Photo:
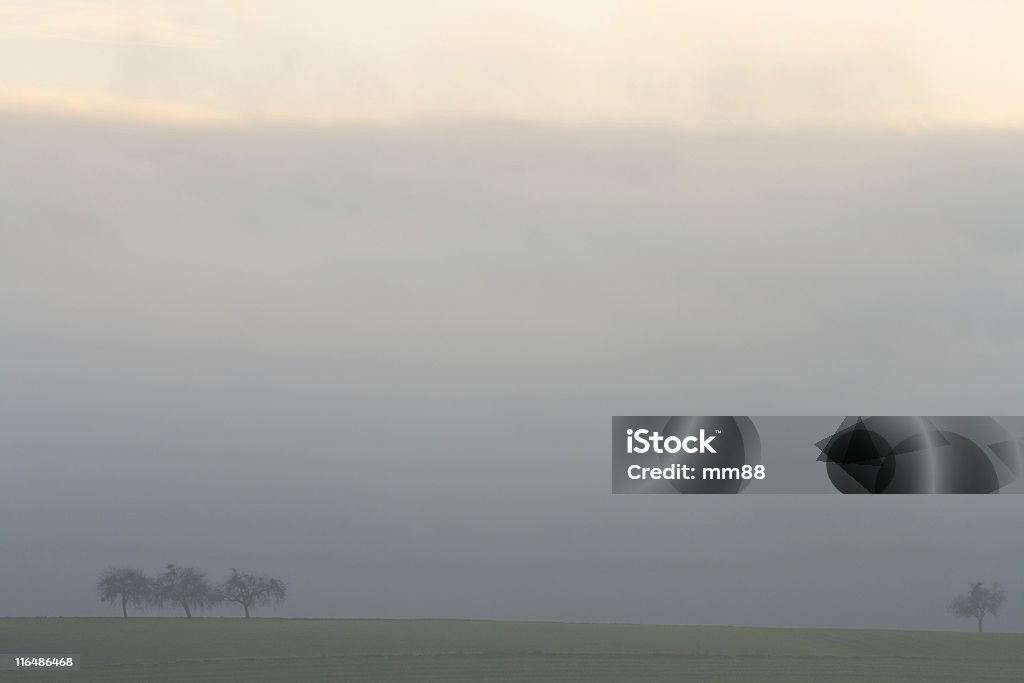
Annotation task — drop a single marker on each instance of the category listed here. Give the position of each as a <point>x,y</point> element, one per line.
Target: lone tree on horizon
<point>129,586</point>
<point>248,590</point>
<point>978,602</point>
<point>183,586</point>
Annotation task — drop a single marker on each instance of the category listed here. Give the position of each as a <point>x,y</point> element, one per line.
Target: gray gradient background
<point>380,362</point>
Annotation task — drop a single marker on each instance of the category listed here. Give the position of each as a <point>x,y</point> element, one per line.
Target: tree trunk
<point>124,606</point>
<point>246,606</point>
<point>188,612</point>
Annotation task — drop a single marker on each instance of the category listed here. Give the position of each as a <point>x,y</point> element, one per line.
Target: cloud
<point>65,102</point>
<point>702,65</point>
<point>876,85</point>
<point>110,23</point>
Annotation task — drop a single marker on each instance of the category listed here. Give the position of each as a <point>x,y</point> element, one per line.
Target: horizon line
<point>84,105</point>
<point>426,120</point>
<point>523,621</point>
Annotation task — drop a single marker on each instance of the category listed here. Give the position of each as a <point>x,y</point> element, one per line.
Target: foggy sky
<point>380,362</point>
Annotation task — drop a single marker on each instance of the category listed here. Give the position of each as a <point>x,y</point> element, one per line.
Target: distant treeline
<point>188,588</point>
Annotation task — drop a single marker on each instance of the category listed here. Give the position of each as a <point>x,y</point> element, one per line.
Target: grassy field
<point>147,649</point>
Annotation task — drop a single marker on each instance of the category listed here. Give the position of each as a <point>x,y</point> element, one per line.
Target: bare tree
<point>184,586</point>
<point>248,590</point>
<point>129,586</point>
<point>978,602</point>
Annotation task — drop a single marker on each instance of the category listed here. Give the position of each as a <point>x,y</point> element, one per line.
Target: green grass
<point>145,649</point>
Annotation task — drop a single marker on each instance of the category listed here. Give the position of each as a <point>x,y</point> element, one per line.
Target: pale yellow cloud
<point>98,105</point>
<point>721,63</point>
<point>136,22</point>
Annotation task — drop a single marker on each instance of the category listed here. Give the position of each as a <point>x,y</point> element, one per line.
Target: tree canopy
<point>127,586</point>
<point>184,586</point>
<point>978,602</point>
<point>248,589</point>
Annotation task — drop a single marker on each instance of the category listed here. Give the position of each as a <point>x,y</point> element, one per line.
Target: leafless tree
<point>184,586</point>
<point>248,590</point>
